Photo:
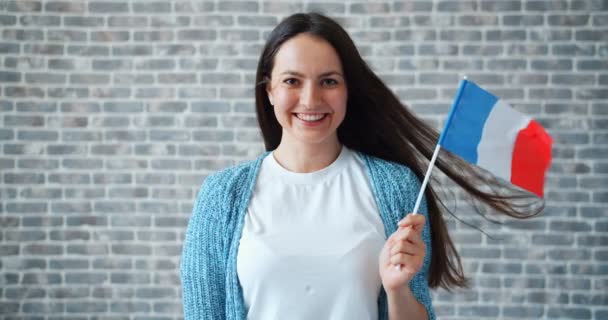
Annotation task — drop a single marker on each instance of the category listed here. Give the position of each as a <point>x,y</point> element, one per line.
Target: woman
<point>315,227</point>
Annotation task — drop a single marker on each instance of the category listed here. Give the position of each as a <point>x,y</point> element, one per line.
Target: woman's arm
<point>403,305</point>
<point>406,287</point>
<point>202,269</point>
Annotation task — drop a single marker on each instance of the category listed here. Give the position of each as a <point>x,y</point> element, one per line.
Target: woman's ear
<point>269,91</point>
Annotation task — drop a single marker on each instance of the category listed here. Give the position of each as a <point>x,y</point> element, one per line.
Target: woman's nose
<point>310,96</point>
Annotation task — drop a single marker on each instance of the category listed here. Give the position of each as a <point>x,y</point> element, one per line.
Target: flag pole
<point>436,152</point>
<point>426,179</point>
<point>439,142</point>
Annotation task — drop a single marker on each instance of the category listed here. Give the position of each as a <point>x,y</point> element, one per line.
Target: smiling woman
<point>313,228</point>
<point>308,92</point>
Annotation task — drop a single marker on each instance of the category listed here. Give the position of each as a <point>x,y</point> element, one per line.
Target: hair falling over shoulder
<point>378,124</point>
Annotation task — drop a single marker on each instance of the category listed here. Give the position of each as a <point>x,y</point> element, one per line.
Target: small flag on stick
<point>485,131</point>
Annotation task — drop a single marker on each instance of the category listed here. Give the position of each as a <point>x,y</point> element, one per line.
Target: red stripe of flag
<point>531,158</point>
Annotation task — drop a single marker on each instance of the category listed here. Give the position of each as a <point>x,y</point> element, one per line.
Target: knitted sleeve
<point>201,268</point>
<point>419,283</point>
<point>397,187</point>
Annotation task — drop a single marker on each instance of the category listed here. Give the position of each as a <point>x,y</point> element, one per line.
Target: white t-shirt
<point>310,243</point>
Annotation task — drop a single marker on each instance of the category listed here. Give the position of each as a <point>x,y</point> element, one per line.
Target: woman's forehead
<point>305,54</point>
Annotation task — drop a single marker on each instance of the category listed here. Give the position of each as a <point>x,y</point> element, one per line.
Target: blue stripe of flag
<point>464,128</point>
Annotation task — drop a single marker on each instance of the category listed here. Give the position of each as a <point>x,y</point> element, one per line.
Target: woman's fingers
<point>406,234</point>
<point>412,262</point>
<point>415,220</point>
<point>406,247</point>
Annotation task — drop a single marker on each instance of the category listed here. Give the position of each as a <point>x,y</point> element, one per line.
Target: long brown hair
<point>378,124</point>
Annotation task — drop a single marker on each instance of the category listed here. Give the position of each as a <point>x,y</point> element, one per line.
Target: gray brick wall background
<point>113,112</point>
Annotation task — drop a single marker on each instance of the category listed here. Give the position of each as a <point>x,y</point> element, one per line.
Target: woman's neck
<point>305,157</point>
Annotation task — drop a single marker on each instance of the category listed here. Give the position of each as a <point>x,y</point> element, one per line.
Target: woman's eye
<point>291,81</point>
<point>330,82</point>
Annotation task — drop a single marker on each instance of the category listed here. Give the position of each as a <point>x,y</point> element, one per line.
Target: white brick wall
<point>113,112</point>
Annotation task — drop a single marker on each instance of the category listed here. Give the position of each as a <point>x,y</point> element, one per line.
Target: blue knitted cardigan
<point>210,285</point>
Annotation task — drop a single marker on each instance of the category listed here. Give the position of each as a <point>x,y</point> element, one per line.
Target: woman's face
<point>308,90</point>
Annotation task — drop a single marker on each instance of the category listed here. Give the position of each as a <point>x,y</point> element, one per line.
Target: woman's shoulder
<point>231,178</point>
<point>388,170</point>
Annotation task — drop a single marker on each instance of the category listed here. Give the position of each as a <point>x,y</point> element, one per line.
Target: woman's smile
<point>311,119</point>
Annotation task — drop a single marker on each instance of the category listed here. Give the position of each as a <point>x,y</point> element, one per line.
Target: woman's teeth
<point>310,117</point>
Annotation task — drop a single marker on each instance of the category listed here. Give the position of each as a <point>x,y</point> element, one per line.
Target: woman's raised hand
<point>406,248</point>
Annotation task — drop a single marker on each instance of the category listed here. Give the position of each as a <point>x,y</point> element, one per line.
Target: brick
<point>520,312</point>
<point>64,7</point>
<point>43,221</point>
<point>113,263</point>
<point>130,278</point>
<point>7,20</point>
<point>547,297</point>
<point>24,178</point>
<point>600,197</point>
<point>547,64</point>
<point>507,64</point>
<point>83,21</point>
<point>152,7</point>
<point>9,250</point>
<point>88,50</point>
<point>478,311</point>
<point>10,77</point>
<point>42,307</point>
<point>588,5</point>
<point>131,249</point>
<point>24,293</point>
<point>524,282</point>
<point>590,35</point>
<point>87,249</point>
<point>114,235</point>
<point>68,264</point>
<point>76,163</point>
<point>130,307</point>
<point>593,153</point>
<point>579,49</point>
<point>108,7</point>
<point>600,20</point>
<point>558,94</point>
<point>568,79</point>
<point>553,240</point>
<point>81,220</point>
<point>568,20</point>
<point>592,65</point>
<point>155,265</point>
<point>23,92</point>
<point>500,6</point>
<point>67,293</point>
<point>196,35</point>
<point>69,235</point>
<point>9,48</point>
<point>24,236</point>
<point>42,249</point>
<point>68,92</point>
<point>127,21</point>
<point>568,313</point>
<point>84,193</point>
<point>569,254</point>
<point>126,164</point>
<point>133,221</point>
<point>326,7</point>
<point>127,193</point>
<point>370,8</point>
<point>505,35</point>
<point>170,222</point>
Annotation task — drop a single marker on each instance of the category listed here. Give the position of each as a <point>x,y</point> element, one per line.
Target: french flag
<point>487,132</point>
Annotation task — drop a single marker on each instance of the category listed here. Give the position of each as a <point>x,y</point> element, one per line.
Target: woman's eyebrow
<point>324,74</point>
